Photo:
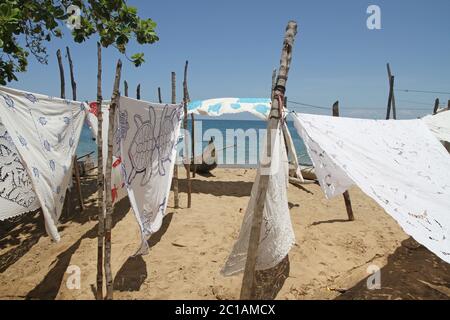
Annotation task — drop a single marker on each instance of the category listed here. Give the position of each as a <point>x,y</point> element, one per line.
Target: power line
<point>422,91</point>
<point>309,105</point>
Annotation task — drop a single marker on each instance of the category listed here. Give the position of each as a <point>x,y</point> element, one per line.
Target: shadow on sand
<point>133,272</point>
<point>24,231</point>
<point>49,287</point>
<point>412,273</point>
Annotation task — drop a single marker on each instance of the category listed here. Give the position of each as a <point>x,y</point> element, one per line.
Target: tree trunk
<point>248,282</point>
<point>61,75</point>
<point>138,92</point>
<point>175,168</point>
<point>186,145</point>
<point>76,170</point>
<point>100,179</point>
<point>109,207</point>
<point>72,76</point>
<point>125,88</point>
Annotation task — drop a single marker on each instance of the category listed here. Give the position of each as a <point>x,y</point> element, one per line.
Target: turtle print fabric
<point>146,138</point>
<point>399,164</point>
<point>45,132</point>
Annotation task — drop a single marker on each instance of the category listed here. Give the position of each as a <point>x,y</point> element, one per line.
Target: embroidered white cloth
<point>277,236</point>
<point>399,164</point>
<point>147,136</point>
<point>118,188</point>
<point>16,191</point>
<point>45,131</point>
<point>439,124</point>
<point>217,107</point>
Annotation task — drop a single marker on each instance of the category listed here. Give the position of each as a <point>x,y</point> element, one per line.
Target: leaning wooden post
<point>159,95</point>
<point>391,95</point>
<point>76,170</point>
<point>248,282</point>
<point>436,106</point>
<point>391,89</point>
<point>100,179</point>
<point>274,82</point>
<point>348,203</point>
<point>138,92</point>
<point>61,74</point>
<point>109,208</point>
<point>125,88</point>
<point>187,162</point>
<point>175,168</point>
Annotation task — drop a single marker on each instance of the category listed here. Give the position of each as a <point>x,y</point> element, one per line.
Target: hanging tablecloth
<point>399,164</point>
<point>45,131</point>
<point>147,139</point>
<point>277,236</point>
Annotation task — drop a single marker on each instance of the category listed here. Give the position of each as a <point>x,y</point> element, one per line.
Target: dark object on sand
<point>207,161</point>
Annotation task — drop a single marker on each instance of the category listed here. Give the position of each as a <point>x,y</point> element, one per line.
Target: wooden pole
<point>63,96</point>
<point>76,170</point>
<point>176,196</point>
<point>274,82</point>
<point>61,74</point>
<point>100,184</point>
<point>187,162</point>
<point>125,88</point>
<point>391,94</point>
<point>391,88</point>
<point>448,104</point>
<point>159,95</point>
<point>348,203</point>
<point>72,76</point>
<point>248,282</point>
<point>436,106</point>
<point>109,207</point>
<point>138,92</point>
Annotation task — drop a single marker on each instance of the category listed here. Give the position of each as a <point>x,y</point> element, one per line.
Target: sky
<point>233,46</point>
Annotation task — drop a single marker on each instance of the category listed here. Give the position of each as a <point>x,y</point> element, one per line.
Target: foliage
<point>26,26</point>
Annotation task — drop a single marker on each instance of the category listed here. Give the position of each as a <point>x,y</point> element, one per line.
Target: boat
<point>207,161</point>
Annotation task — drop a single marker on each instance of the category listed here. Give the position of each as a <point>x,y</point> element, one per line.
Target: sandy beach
<point>329,260</point>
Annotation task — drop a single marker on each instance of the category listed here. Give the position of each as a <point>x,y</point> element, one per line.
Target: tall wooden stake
<point>176,196</point>
<point>159,95</point>
<point>436,106</point>
<point>187,162</point>
<point>248,282</point>
<point>138,92</point>
<point>194,165</point>
<point>76,170</point>
<point>391,100</point>
<point>125,88</point>
<point>109,207</point>
<point>100,179</point>
<point>348,203</point>
<point>61,74</point>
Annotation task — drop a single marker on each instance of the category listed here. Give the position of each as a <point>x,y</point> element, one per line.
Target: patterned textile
<point>399,164</point>
<point>45,131</point>
<point>147,135</point>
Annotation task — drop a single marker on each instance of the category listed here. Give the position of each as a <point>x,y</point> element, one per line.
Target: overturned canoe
<point>207,161</point>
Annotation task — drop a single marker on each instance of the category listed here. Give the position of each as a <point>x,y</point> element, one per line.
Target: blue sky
<point>232,47</point>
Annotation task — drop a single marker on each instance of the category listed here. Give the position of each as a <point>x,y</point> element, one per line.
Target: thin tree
<point>187,162</point>
<point>100,179</point>
<point>248,283</point>
<point>109,208</point>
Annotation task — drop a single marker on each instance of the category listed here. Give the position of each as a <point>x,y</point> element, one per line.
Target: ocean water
<point>238,142</point>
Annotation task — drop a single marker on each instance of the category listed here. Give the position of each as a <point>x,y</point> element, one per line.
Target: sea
<point>238,142</point>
